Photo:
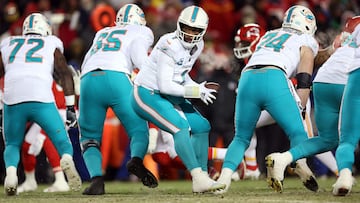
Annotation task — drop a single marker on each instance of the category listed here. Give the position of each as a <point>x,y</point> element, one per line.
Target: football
<point>212,85</point>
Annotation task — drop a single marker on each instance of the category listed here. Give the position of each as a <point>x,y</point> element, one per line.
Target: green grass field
<point>180,191</point>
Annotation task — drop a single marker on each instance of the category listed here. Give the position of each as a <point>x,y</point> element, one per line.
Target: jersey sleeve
<point>311,42</point>
<point>140,46</point>
<point>58,43</point>
<point>169,47</point>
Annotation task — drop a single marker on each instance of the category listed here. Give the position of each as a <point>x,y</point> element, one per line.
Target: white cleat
<point>10,185</point>
<point>275,164</point>
<point>28,185</point>
<point>252,174</point>
<point>344,183</point>
<point>306,175</point>
<point>225,179</point>
<point>202,183</point>
<point>68,166</point>
<point>58,187</point>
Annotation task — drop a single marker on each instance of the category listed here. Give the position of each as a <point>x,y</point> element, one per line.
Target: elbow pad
<point>303,81</point>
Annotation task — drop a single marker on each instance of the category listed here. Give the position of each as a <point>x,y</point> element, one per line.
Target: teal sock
<point>93,161</point>
<point>185,149</point>
<point>200,143</point>
<point>11,155</point>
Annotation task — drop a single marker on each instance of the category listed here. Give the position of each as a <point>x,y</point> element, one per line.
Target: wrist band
<point>70,100</point>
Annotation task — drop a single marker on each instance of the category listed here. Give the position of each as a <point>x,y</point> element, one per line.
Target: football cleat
<point>202,183</point>
<point>135,166</point>
<point>97,186</point>
<point>225,178</point>
<point>275,165</point>
<point>11,181</point>
<point>344,183</point>
<point>68,166</point>
<point>306,175</point>
<point>252,174</point>
<point>27,186</point>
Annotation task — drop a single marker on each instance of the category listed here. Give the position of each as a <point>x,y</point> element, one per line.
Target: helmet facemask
<point>243,50</point>
<point>190,35</point>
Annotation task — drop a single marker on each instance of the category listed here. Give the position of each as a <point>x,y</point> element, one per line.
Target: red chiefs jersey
<point>58,95</point>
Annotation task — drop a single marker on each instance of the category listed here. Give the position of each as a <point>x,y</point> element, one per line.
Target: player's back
<point>111,48</point>
<point>281,47</point>
<point>29,65</point>
<point>335,69</point>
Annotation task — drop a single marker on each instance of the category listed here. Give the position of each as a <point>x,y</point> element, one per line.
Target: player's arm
<point>67,83</point>
<point>138,52</point>
<point>304,73</point>
<point>63,72</point>
<point>324,54</point>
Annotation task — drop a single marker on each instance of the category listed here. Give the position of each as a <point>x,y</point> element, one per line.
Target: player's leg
<point>91,121</point>
<point>252,170</point>
<point>60,184</point>
<point>14,124</point>
<point>349,134</point>
<point>200,128</point>
<point>51,122</point>
<point>247,112</point>
<point>29,164</point>
<point>136,128</point>
<point>161,112</point>
<point>283,108</point>
<point>31,147</point>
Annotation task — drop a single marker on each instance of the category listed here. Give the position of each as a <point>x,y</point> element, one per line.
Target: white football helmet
<point>130,14</point>
<point>300,18</point>
<point>194,17</point>
<point>37,23</point>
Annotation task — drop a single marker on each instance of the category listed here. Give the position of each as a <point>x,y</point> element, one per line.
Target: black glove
<point>71,120</point>
<point>303,113</point>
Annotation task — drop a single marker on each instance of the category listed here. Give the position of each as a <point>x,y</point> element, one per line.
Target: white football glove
<point>206,94</point>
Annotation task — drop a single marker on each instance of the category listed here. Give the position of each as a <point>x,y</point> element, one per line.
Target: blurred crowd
<point>75,22</point>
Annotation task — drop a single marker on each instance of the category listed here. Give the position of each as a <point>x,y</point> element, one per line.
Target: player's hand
<point>71,120</point>
<point>207,94</point>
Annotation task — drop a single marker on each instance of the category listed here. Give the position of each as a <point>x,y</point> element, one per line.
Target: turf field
<point>180,191</point>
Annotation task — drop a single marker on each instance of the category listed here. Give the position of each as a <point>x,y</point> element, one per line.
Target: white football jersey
<point>182,62</point>
<point>114,48</point>
<point>335,69</point>
<point>29,66</point>
<point>281,47</point>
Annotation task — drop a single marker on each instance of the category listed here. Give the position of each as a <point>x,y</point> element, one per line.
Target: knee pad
<point>89,143</point>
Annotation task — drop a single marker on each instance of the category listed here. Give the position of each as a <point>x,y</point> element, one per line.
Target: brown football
<point>212,85</point>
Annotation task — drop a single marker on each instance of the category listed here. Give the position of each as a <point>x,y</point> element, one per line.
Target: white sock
<point>30,175</point>
<point>218,153</point>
